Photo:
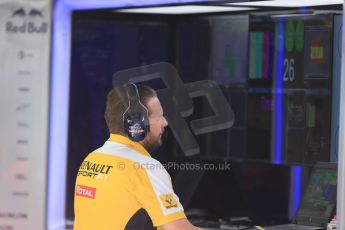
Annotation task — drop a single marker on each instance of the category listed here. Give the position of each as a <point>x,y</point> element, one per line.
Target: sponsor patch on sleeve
<point>168,200</point>
<point>85,191</point>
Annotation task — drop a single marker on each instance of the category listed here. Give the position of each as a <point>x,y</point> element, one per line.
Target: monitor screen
<point>228,55</point>
<point>319,199</point>
<point>289,89</point>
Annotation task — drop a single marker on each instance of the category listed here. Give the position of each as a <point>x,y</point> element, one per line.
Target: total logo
<point>30,24</point>
<point>85,191</point>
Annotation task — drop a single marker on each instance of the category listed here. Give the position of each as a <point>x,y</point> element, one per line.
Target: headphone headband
<point>132,92</point>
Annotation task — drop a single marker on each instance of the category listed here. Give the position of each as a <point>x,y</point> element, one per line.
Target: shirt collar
<point>132,144</point>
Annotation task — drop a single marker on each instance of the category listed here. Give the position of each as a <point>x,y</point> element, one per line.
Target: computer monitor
<point>319,200</point>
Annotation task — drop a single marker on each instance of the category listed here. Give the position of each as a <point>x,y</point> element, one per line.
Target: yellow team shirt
<point>118,184</point>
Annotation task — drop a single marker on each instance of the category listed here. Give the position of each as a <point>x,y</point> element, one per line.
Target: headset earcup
<point>136,126</point>
<point>135,118</point>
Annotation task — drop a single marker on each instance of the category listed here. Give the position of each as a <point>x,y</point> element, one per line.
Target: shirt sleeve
<point>153,190</point>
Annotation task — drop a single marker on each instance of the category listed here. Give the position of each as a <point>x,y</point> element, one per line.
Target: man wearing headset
<point>119,186</point>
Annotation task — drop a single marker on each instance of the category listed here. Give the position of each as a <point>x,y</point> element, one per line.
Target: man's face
<point>153,140</point>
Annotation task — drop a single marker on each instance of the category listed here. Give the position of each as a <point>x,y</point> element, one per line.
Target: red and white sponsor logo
<point>85,191</point>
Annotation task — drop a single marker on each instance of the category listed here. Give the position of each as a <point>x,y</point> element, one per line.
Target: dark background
<point>104,42</point>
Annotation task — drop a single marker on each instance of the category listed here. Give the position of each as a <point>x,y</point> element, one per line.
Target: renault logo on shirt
<point>94,170</point>
<point>168,200</point>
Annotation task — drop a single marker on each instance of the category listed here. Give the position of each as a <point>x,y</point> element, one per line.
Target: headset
<point>135,118</point>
